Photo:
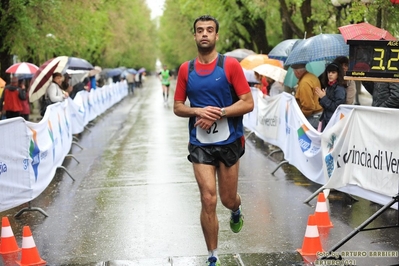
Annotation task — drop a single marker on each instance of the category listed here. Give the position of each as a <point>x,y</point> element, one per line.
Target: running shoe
<point>212,261</point>
<point>236,220</point>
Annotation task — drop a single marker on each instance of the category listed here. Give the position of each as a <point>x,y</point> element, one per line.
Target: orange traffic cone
<point>30,254</point>
<point>8,243</point>
<point>321,213</point>
<point>311,242</point>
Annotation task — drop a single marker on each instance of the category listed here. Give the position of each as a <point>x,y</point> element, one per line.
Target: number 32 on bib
<point>218,132</point>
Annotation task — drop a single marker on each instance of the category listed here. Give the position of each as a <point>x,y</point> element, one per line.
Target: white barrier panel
<point>360,151</point>
<point>280,122</point>
<point>31,152</point>
<point>15,177</point>
<point>31,161</point>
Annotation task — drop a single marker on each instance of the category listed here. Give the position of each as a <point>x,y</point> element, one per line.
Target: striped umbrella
<point>22,68</point>
<point>43,76</point>
<point>317,48</point>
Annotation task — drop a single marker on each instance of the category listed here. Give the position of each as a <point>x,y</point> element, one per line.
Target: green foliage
<point>113,33</point>
<point>108,33</point>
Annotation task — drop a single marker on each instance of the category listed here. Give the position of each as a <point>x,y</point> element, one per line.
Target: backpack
<point>44,102</point>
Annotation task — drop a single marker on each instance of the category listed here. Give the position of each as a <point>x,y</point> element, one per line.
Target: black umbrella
<point>76,63</point>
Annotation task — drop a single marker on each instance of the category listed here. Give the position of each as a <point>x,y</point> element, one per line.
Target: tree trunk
<point>256,29</point>
<point>5,54</point>
<point>5,62</point>
<point>306,12</point>
<point>286,17</point>
<point>288,33</point>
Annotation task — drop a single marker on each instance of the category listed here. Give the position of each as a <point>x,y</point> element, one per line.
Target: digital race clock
<point>373,60</point>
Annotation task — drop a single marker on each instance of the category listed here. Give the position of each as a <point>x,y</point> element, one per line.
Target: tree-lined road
<point>135,201</point>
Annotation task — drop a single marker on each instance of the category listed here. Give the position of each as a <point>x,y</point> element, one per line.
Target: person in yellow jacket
<point>2,85</point>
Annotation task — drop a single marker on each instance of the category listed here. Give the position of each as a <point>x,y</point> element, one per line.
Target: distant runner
<point>165,76</point>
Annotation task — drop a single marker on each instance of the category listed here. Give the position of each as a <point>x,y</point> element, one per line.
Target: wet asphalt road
<point>135,201</point>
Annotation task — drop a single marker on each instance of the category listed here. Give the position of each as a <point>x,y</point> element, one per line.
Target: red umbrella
<point>365,31</point>
<point>43,76</point>
<point>22,68</point>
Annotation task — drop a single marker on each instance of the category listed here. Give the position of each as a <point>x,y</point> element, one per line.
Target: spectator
<point>2,85</point>
<point>130,83</point>
<point>11,99</point>
<point>25,103</point>
<point>305,96</point>
<point>54,92</point>
<point>66,84</point>
<point>333,95</point>
<point>80,86</point>
<point>274,87</point>
<point>385,94</point>
<point>350,85</point>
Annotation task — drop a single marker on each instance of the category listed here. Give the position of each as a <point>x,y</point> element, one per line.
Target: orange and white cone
<point>29,255</point>
<point>8,243</point>
<point>311,242</point>
<point>321,213</point>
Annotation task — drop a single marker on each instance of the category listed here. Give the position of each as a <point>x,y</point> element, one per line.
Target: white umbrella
<point>271,71</point>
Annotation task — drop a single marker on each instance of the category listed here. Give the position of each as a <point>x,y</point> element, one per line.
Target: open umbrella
<point>43,76</point>
<point>240,53</point>
<point>76,63</point>
<point>253,60</point>
<point>132,71</point>
<point>275,72</point>
<point>22,68</point>
<point>250,76</point>
<point>2,83</point>
<point>315,67</point>
<point>112,72</point>
<point>365,31</point>
<point>318,48</point>
<point>283,49</point>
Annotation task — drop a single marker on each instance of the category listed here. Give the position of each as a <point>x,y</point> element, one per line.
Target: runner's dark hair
<point>207,18</point>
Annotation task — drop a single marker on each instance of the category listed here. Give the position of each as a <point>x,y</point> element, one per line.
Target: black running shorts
<point>228,154</point>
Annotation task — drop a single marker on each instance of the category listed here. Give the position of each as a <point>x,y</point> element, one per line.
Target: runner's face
<point>205,35</point>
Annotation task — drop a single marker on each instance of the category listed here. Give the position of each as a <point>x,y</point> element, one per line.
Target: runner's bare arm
<point>244,105</point>
<point>209,112</point>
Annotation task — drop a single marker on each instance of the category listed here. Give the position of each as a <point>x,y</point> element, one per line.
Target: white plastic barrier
<point>31,152</point>
<point>353,129</point>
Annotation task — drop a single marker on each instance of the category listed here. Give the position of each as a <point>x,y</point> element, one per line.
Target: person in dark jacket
<point>385,94</point>
<point>10,100</point>
<point>80,86</point>
<point>333,95</point>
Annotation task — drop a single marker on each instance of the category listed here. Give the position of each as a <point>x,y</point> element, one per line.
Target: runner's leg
<point>228,184</point>
<point>206,180</point>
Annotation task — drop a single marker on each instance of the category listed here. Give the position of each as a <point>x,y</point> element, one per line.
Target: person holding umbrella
<point>54,92</point>
<point>305,96</point>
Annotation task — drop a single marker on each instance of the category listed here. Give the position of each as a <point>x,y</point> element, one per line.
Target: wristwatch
<point>223,112</point>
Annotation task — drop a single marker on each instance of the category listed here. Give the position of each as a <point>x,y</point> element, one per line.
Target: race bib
<point>219,131</point>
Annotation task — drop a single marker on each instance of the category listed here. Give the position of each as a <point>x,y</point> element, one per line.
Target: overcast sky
<point>155,7</point>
